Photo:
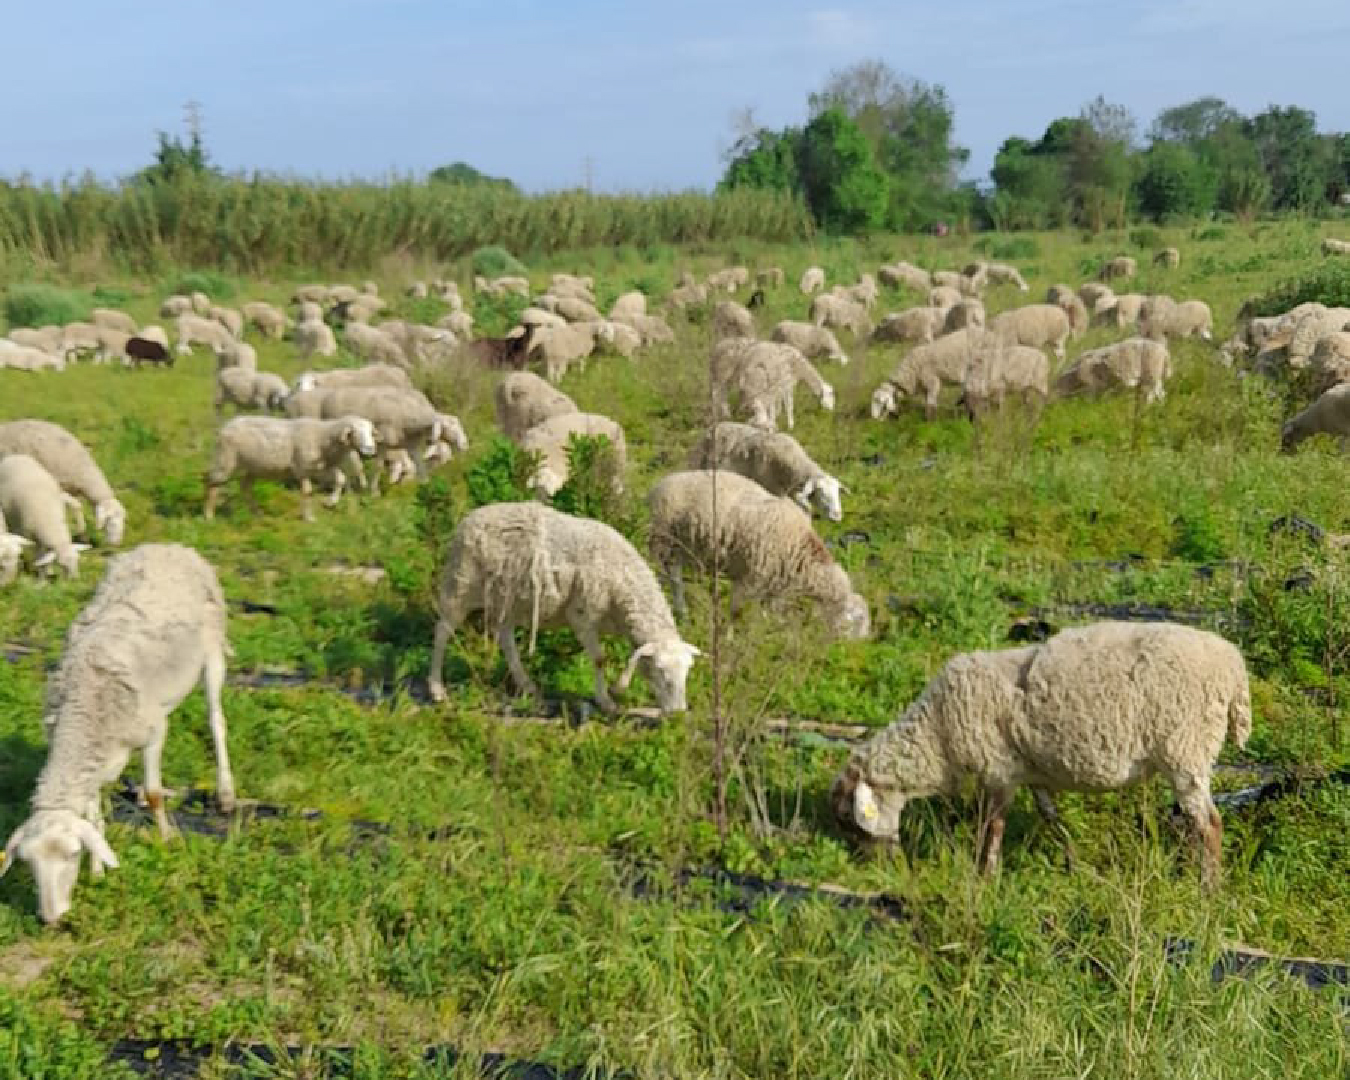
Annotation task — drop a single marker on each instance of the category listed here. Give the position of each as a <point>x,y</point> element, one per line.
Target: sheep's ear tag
<point>865,809</point>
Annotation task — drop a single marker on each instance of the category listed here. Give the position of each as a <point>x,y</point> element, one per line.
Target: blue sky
<point>646,92</point>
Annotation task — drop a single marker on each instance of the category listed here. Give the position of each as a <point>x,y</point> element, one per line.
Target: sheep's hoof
<point>436,692</point>
<point>225,800</point>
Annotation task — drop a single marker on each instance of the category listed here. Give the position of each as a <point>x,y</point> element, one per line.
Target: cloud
<point>835,28</point>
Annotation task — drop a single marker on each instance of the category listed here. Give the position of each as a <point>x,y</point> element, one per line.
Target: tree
<point>845,189</point>
<point>1194,122</point>
<point>1030,187</point>
<point>1174,182</point>
<point>175,161</point>
<point>1292,155</point>
<point>764,159</point>
<point>461,173</point>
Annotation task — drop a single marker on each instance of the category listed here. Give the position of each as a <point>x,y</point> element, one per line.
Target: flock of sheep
<point>1090,709</point>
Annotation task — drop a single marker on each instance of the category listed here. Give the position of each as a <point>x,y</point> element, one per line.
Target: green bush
<point>593,482</point>
<point>494,315</point>
<point>45,305</point>
<point>500,474</point>
<point>1008,247</point>
<point>1328,284</point>
<point>1146,237</point>
<point>112,294</point>
<point>216,285</point>
<point>495,261</point>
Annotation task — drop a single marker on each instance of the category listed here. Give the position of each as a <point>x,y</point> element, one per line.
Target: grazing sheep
<point>109,319</point>
<point>198,330</point>
<point>772,459</point>
<point>1079,318</point>
<point>112,345</point>
<point>1122,266</point>
<point>502,286</point>
<point>450,440</point>
<point>260,447</point>
<point>1037,325</point>
<point>201,303</point>
<point>966,313</point>
<point>11,555</point>
<point>653,329</point>
<point>154,629</point>
<point>1001,274</point>
<point>771,277</point>
<point>1057,294</point>
<point>1120,311</point>
<point>763,543</point>
<point>311,294</point>
<point>23,358</point>
<point>562,346</point>
<point>238,355</point>
<point>1092,709</point>
<point>549,438</point>
<point>174,306</point>
<point>245,389</point>
<point>729,280</point>
<point>841,313</point>
<point>1169,258</point>
<point>1093,293</point>
<point>927,368</point>
<point>370,375</point>
<point>1335,247</point>
<point>762,377</point>
<point>418,290</point>
<point>232,320</point>
<point>906,274</point>
<point>1330,362</point>
<point>1137,363</point>
<point>79,338</point>
<point>32,504</point>
<point>919,324</point>
<point>576,310</point>
<point>629,303</point>
<point>575,281</point>
<point>1002,371</point>
<point>812,280</point>
<point>49,339</point>
<point>523,399</point>
<point>72,466</point>
<point>680,298</point>
<point>523,564</point>
<point>1328,415</point>
<point>864,292</point>
<point>269,321</point>
<point>731,320</point>
<point>373,346</point>
<point>944,297</point>
<point>459,323</point>
<point>420,344</point>
<point>403,420</point>
<point>1163,317</point>
<point>813,342</point>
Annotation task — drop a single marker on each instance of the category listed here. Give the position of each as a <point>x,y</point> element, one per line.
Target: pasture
<point>539,893</point>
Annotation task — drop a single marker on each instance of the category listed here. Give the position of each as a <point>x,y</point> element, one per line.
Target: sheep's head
<point>546,482</point>
<point>452,432</point>
<point>874,811</point>
<point>68,559</point>
<point>822,493</point>
<point>359,434</point>
<point>51,842</point>
<point>666,666</point>
<point>827,397</point>
<point>11,551</point>
<point>110,517</point>
<point>851,620</point>
<point>885,401</point>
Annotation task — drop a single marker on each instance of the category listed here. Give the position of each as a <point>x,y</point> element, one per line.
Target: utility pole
<point>588,169</point>
<point>192,116</point>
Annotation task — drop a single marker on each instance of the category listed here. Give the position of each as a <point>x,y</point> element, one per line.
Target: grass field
<point>500,913</point>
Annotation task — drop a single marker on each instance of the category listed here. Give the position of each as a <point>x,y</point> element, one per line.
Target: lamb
<point>996,373</point>
<point>620,339</point>
<point>654,329</point>
<point>1335,247</point>
<point>523,564</point>
<point>906,274</point>
<point>153,630</point>
<point>764,544</point>
<point>523,399</point>
<point>232,320</point>
<point>763,377</point>
<point>1092,709</point>
<point>812,280</point>
<point>112,345</point>
<point>174,306</point>
<point>451,439</point>
<point>1169,258</point>
<point>370,375</point>
<point>1120,311</point>
<point>1328,415</point>
<point>459,323</point>
<point>11,554</point>
<point>197,330</point>
<point>1122,266</point>
<point>1163,317</point>
<point>1001,274</point>
<point>730,319</point>
<point>920,324</point>
<point>773,460</point>
<point>314,336</point>
<point>72,466</point>
<point>275,449</point>
<point>403,419</point>
<point>32,504</point>
<point>561,346</point>
<point>771,277</point>
<point>1037,325</point>
<point>23,358</point>
<point>49,339</point>
<point>549,438</point>
<point>729,280</point>
<point>373,346</point>
<point>238,355</point>
<point>1137,363</point>
<point>269,321</point>
<point>629,303</point>
<point>813,342</point>
<point>926,368</point>
<point>110,319</point>
<point>966,313</point>
<point>944,297</point>
<point>245,389</point>
<point>841,313</point>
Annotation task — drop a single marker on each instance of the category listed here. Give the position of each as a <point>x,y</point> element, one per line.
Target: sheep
<point>1119,310</point>
<point>944,297</point>
<point>1079,317</point>
<point>1137,363</point>
<point>72,466</point>
<point>11,554</point>
<point>370,375</point>
<point>1122,266</point>
<point>573,281</point>
<point>418,290</point>
<point>571,290</point>
<point>246,389</point>
<point>451,439</point>
<point>236,355</point>
<point>422,344</point>
<point>771,277</point>
<point>1092,709</point>
<point>112,345</point>
<point>763,543</point>
<point>197,330</point>
<point>1330,363</point>
<point>619,339</point>
<point>110,319</point>
<point>154,629</point>
<point>774,460</point>
<point>50,339</point>
<point>23,358</point>
<point>359,310</point>
<point>201,303</point>
<point>549,438</point>
<point>522,400</point>
<point>1328,415</point>
<point>174,306</point>
<point>373,346</point>
<point>653,329</point>
<point>403,419</point>
<point>276,449</point>
<point>1037,325</point>
<point>576,310</point>
<point>1163,317</point>
<point>78,338</point>
<point>996,373</point>
<point>841,313</point>
<point>1335,247</point>
<point>763,377</point>
<point>730,319</point>
<point>1307,330</point>
<point>729,280</point>
<point>459,323</point>
<point>1001,274</point>
<point>343,294</point>
<point>906,274</point>
<point>919,324</point>
<point>864,292</point>
<point>1058,294</point>
<point>926,368</point>
<point>523,564</point>
<point>679,298</point>
<point>310,294</point>
<point>561,346</point>
<point>232,320</point>
<point>502,285</point>
<point>1169,258</point>
<point>308,311</point>
<point>269,321</point>
<point>964,314</point>
<point>949,279</point>
<point>314,336</point>
<point>629,303</point>
<point>812,280</point>
<point>813,342</point>
<point>1093,292</point>
<point>32,504</point>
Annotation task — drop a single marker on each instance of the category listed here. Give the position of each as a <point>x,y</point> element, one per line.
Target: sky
<point>640,96</point>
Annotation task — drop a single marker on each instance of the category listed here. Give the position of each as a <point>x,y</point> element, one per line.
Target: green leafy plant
<point>495,261</point>
<point>45,305</point>
<point>500,474</point>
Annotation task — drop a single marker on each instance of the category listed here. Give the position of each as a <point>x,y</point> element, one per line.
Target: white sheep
<point>812,281</point>
<point>550,438</point>
<point>110,319</point>
<point>24,358</point>
<point>1137,363</point>
<point>236,355</point>
<point>944,297</point>
<point>1122,266</point>
<point>841,313</point>
<point>1092,709</point>
<point>451,439</point>
<point>198,330</point>
<point>370,375</point>
<point>1001,274</point>
<point>813,342</point>
<point>925,369</point>
<point>1119,310</point>
<point>50,339</point>
<point>72,466</point>
<point>459,323</point>
<point>917,324</point>
<point>762,377</point>
<point>258,447</point>
<point>1169,258</point>
<point>522,400</point>
<point>373,346</point>
<point>11,554</point>
<point>730,279</point>
<point>559,347</point>
<point>1092,294</point>
<point>311,294</point>
<point>1328,415</point>
<point>763,543</point>
<point>201,303</point>
<point>731,319</point>
<point>654,329</point>
<point>501,286</point>
<point>679,298</point>
<point>403,420</point>
<point>906,274</point>
<point>232,320</point>
<point>268,320</point>
<point>153,630</point>
<point>32,504</point>
<point>80,338</point>
<point>523,564</point>
<point>629,303</point>
<point>967,313</point>
<point>245,389</point>
<point>1004,370</point>
<point>1163,317</point>
<point>1079,316</point>
<point>1037,325</point>
<point>174,306</point>
<point>771,277</point>
<point>774,460</point>
<point>1332,246</point>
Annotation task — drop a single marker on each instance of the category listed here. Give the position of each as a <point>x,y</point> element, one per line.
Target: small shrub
<point>44,305</point>
<point>216,285</point>
<point>1146,237</point>
<point>500,474</point>
<point>112,294</point>
<point>1198,538</point>
<point>1328,284</point>
<point>593,479</point>
<point>1008,247</point>
<point>495,315</point>
<point>495,261</point>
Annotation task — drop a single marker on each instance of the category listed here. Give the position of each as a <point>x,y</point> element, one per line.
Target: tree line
<point>878,153</point>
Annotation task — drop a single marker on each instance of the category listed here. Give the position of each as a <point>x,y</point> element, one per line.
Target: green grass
<point>44,305</point>
<point>514,930</point>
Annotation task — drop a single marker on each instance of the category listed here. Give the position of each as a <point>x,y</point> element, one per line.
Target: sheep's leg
<point>213,678</point>
<point>154,779</point>
<point>339,483</point>
<point>590,641</point>
<point>435,679</point>
<point>250,495</point>
<point>506,638</point>
<point>74,514</point>
<point>212,498</point>
<point>358,471</point>
<point>994,820</point>
<point>1193,795</point>
<point>1045,803</point>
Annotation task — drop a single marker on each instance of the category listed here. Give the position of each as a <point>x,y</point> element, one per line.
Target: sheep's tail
<point>538,569</point>
<point>1240,715</point>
